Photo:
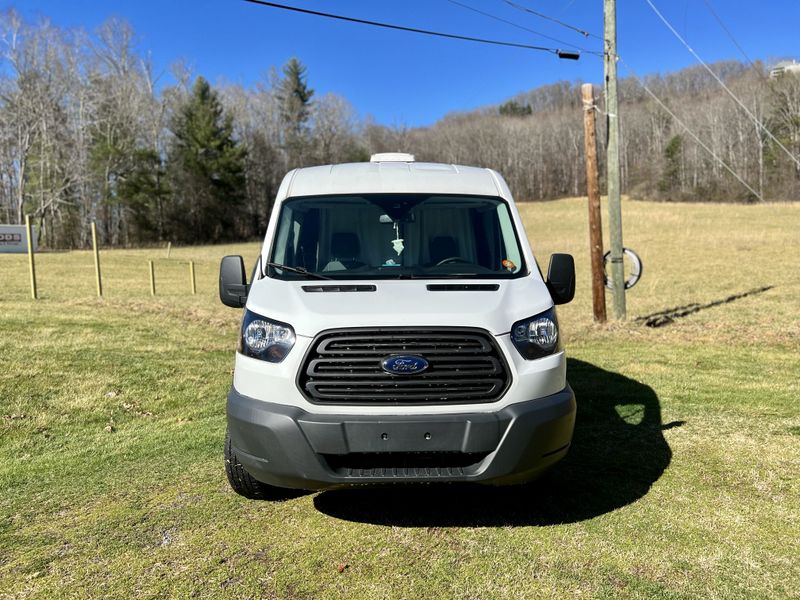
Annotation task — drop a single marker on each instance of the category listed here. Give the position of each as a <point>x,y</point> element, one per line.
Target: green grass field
<point>683,480</point>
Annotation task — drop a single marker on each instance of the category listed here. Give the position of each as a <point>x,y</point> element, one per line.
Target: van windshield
<point>396,236</point>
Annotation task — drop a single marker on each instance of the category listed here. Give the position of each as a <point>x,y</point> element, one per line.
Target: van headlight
<point>537,336</point>
<point>264,338</point>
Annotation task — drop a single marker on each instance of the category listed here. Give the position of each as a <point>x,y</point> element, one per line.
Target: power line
<point>544,49</point>
<point>517,25</point>
<point>686,128</point>
<point>583,32</point>
<point>727,31</point>
<point>689,131</point>
<point>570,3</point>
<point>722,83</point>
<point>647,89</point>
<point>453,36</point>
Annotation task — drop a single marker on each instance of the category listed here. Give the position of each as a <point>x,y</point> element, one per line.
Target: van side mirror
<point>233,288</point>
<point>561,278</point>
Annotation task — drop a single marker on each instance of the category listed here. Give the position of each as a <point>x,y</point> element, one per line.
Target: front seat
<point>441,247</point>
<point>345,252</point>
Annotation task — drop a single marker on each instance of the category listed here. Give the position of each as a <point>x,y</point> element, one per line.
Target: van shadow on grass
<point>618,451</point>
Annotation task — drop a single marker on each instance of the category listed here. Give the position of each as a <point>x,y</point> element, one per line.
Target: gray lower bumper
<point>288,447</point>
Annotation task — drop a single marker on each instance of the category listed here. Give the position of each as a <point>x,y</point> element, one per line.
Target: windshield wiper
<point>299,270</point>
<point>402,276</point>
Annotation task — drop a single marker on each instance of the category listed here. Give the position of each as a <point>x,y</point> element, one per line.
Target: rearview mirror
<point>561,278</point>
<point>233,288</point>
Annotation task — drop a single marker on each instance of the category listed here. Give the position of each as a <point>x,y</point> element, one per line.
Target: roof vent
<point>392,157</point>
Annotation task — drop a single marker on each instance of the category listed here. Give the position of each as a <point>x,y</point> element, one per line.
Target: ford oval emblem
<point>404,365</point>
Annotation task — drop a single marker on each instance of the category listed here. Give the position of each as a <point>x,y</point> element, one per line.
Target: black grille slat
<point>430,344</point>
<point>406,350</point>
<point>416,384</point>
<point>403,464</point>
<point>345,367</point>
<point>377,377</point>
<point>370,368</point>
<point>425,398</point>
<point>347,389</point>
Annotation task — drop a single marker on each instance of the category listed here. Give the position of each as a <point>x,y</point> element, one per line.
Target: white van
<point>397,328</point>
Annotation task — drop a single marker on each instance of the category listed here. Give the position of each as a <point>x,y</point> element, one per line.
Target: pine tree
<point>145,192</point>
<point>207,170</point>
<point>294,97</point>
<point>512,108</point>
<point>673,158</point>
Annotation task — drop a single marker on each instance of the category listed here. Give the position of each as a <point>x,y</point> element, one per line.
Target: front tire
<point>245,484</point>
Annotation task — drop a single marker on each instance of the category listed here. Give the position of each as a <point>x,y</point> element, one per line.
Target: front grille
<point>344,367</point>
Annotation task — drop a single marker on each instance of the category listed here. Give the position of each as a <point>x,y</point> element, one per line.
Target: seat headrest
<point>345,244</point>
<point>443,246</point>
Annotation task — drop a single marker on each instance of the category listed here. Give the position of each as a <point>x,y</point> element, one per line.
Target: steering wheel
<point>450,259</point>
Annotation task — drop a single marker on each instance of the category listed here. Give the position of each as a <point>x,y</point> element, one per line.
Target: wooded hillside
<point>88,134</point>
<point>536,139</point>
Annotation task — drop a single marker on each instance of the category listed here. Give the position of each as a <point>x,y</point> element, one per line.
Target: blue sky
<point>407,79</point>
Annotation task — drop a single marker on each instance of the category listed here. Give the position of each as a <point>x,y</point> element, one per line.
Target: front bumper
<point>288,447</point>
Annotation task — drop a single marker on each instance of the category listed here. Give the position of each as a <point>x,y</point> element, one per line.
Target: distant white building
<point>785,67</point>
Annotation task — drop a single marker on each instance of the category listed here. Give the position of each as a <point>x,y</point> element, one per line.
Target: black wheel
<point>245,484</point>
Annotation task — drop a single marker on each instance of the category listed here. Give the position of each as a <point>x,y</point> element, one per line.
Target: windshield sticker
<point>509,264</point>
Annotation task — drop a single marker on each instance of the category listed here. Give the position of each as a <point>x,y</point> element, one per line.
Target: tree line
<point>536,139</point>
<point>88,134</point>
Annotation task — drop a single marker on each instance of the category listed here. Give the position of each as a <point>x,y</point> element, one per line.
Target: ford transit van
<point>396,328</point>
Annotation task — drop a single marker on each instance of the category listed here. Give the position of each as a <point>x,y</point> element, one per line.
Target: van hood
<point>399,303</point>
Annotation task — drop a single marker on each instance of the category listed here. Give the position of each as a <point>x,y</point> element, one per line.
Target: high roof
<point>394,177</point>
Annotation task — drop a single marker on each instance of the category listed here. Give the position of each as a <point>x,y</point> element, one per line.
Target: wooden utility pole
<point>612,150</point>
<point>593,191</point>
<point>31,263</point>
<point>98,279</point>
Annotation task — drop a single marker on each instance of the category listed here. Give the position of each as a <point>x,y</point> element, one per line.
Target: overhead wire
<point>686,128</point>
<point>728,32</point>
<point>551,50</point>
<point>522,8</point>
<point>724,86</point>
<point>663,106</point>
<point>454,36</point>
<point>517,25</point>
<point>568,4</point>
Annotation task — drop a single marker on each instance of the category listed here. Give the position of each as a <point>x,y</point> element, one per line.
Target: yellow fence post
<point>152,279</point>
<point>192,279</point>
<point>31,264</point>
<point>96,260</point>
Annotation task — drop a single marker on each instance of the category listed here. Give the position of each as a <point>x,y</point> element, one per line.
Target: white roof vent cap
<point>392,157</point>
